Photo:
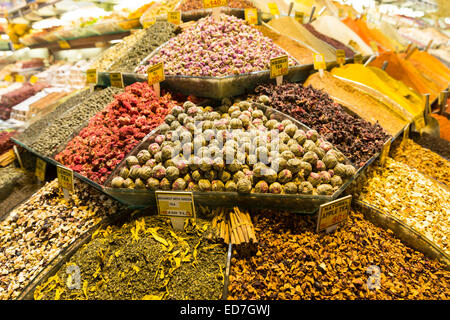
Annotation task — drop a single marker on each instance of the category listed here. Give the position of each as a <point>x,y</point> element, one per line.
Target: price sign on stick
<point>340,57</point>
<point>91,76</point>
<point>299,16</point>
<point>279,67</point>
<point>116,79</point>
<point>174,17</point>
<point>176,205</point>
<point>208,4</point>
<point>155,75</point>
<point>251,15</point>
<point>333,213</point>
<point>33,79</point>
<point>41,166</point>
<point>19,78</point>
<point>273,8</point>
<point>215,5</point>
<point>358,59</point>
<point>65,180</point>
<point>319,63</point>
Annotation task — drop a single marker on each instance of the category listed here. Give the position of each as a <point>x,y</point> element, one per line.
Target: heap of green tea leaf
<point>143,259</point>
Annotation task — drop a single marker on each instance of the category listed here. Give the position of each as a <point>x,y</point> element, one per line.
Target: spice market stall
<point>240,150</point>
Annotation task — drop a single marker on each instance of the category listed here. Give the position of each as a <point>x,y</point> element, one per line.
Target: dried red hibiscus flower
<point>358,139</point>
<point>113,132</point>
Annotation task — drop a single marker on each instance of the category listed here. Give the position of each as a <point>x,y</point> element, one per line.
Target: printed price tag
<point>33,79</point>
<point>174,17</point>
<point>8,78</point>
<point>333,213</point>
<point>91,76</point>
<point>251,15</point>
<point>273,8</point>
<point>19,78</point>
<point>149,23</point>
<point>358,59</point>
<point>175,204</point>
<point>116,79</point>
<point>340,56</point>
<point>419,122</point>
<point>65,178</point>
<point>207,4</point>
<point>156,73</point>
<point>279,66</point>
<point>299,16</point>
<point>63,44</point>
<point>385,152</point>
<point>41,166</point>
<point>319,61</point>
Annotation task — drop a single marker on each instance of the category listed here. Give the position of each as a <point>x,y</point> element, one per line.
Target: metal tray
<point>394,106</point>
<point>305,204</point>
<point>408,235</point>
<point>210,87</point>
<point>55,265</point>
<point>225,86</point>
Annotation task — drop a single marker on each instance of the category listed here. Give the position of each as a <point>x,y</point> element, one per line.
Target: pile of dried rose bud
<point>226,46</point>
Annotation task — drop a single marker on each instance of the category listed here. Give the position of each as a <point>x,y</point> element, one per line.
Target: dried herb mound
<point>41,228</point>
<point>422,159</point>
<point>150,39</point>
<point>294,262</point>
<point>16,185</point>
<point>144,259</point>
<point>115,131</point>
<point>406,194</point>
<point>358,139</point>
<point>33,132</point>
<point>62,128</point>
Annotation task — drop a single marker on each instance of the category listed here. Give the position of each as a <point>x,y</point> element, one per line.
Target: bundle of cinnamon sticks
<point>235,226</point>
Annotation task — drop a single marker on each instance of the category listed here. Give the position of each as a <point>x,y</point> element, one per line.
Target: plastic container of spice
<point>300,203</point>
